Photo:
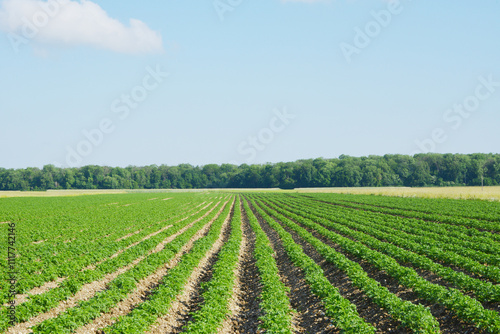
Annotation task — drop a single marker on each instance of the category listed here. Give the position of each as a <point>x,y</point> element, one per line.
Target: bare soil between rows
<point>310,317</point>
<point>448,321</point>
<point>245,304</point>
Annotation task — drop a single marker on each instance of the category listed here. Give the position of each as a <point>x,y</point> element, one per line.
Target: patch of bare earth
<point>244,305</point>
<point>190,299</point>
<point>89,290</point>
<point>447,320</point>
<point>144,286</point>
<point>38,242</point>
<point>310,316</point>
<point>4,223</point>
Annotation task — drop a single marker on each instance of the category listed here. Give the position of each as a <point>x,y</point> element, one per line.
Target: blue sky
<point>251,82</point>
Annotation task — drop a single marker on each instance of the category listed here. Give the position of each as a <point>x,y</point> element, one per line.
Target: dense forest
<point>373,171</point>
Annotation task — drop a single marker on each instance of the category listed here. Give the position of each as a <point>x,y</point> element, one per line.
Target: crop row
<point>158,304</point>
<point>467,222</point>
<point>472,238</point>
<point>476,209</point>
<point>72,259</point>
<point>275,303</point>
<point>466,308</point>
<point>42,303</point>
<point>40,263</point>
<point>363,231</point>
<point>219,289</point>
<point>415,317</point>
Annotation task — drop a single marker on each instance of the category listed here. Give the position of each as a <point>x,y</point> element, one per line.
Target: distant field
<point>79,192</point>
<point>55,193</point>
<point>250,262</point>
<point>489,193</point>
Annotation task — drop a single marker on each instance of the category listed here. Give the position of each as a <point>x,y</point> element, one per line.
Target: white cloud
<point>73,23</point>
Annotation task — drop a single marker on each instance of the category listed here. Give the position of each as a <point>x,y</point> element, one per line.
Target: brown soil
<point>190,299</point>
<point>310,314</point>
<point>244,305</point>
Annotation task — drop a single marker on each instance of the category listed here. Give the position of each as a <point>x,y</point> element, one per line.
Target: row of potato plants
<point>274,300</point>
<point>218,291</point>
<point>352,226</point>
<point>43,266</point>
<point>45,262</point>
<point>476,209</point>
<point>340,310</point>
<point>467,222</point>
<point>415,317</point>
<point>466,308</point>
<point>475,239</point>
<point>120,287</point>
<point>145,314</point>
<point>44,302</point>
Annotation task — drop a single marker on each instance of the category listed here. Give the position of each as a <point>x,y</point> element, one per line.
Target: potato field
<point>249,262</point>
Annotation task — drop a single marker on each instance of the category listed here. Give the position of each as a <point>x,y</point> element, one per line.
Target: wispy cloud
<point>74,23</point>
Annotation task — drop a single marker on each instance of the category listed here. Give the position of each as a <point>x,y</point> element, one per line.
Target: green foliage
<point>465,307</point>
<point>159,302</point>
<point>44,302</point>
<point>219,289</point>
<point>373,171</point>
<point>274,303</point>
<point>455,240</point>
<point>342,312</point>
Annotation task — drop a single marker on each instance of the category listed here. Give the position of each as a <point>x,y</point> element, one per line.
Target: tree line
<point>421,170</point>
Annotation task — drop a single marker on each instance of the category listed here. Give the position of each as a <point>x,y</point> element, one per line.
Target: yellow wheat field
<point>488,193</point>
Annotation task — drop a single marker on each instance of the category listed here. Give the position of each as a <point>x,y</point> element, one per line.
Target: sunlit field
<point>250,262</point>
<point>488,193</point>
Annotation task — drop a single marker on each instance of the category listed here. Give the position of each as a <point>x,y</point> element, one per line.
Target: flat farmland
<point>249,262</point>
